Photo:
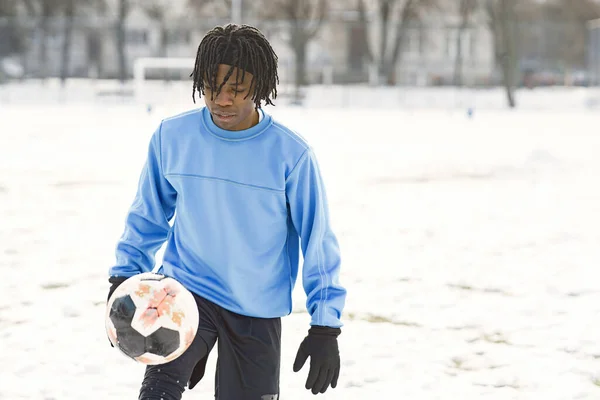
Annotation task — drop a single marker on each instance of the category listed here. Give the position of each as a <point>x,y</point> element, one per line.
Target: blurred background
<point>458,142</point>
<point>446,44</point>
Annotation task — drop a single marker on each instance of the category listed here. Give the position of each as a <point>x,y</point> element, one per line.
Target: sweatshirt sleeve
<point>310,215</point>
<point>147,221</point>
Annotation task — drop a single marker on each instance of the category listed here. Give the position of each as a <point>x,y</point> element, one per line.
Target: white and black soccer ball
<point>151,318</point>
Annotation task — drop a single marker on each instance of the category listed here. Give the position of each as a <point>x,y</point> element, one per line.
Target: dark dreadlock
<point>243,47</point>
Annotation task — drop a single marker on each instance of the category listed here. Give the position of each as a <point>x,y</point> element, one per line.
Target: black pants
<point>248,364</point>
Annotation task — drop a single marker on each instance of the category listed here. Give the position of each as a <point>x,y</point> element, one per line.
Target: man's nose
<point>224,98</point>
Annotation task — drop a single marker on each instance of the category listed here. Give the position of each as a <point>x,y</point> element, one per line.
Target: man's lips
<point>223,114</point>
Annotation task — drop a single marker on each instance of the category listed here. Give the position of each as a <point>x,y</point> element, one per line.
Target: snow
<point>470,245</point>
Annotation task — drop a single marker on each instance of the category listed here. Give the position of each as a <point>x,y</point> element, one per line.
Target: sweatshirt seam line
<point>211,178</point>
<point>321,265</point>
<point>322,259</point>
<point>294,137</point>
<point>160,157</point>
<point>184,114</point>
<point>300,161</point>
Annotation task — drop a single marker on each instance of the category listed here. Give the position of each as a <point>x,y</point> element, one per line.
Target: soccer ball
<point>151,318</point>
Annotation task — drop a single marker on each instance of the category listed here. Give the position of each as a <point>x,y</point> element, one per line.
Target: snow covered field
<point>470,247</point>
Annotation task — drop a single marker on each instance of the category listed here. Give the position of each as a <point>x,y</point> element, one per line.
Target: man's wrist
<point>324,331</point>
<point>117,279</point>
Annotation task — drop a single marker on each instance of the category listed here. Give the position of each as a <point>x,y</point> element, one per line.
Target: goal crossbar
<point>143,64</point>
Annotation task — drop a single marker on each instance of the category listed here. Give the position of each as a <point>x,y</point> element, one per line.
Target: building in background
<point>593,52</point>
<point>436,45</point>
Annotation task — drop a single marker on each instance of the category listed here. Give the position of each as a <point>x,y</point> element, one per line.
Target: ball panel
<point>172,287</point>
<point>145,321</point>
<point>149,359</point>
<point>148,318</point>
<point>173,313</point>
<point>152,359</point>
<point>122,311</point>
<point>131,342</point>
<point>163,342</point>
<point>144,292</point>
<point>174,355</point>
<point>188,336</point>
<point>166,305</point>
<point>157,296</point>
<point>112,334</point>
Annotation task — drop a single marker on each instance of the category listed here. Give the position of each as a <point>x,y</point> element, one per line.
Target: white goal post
<point>593,51</point>
<point>593,62</point>
<point>143,64</point>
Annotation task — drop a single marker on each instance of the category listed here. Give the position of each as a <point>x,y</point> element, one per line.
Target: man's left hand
<point>322,347</point>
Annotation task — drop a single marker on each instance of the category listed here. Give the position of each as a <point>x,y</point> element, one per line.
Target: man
<point>248,196</point>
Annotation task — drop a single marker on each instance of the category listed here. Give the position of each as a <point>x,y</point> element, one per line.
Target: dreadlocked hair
<point>248,49</point>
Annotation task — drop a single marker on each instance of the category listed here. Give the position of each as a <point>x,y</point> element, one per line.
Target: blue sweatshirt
<point>235,208</point>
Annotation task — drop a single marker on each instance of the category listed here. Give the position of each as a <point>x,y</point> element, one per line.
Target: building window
<point>422,38</point>
<point>179,36</point>
<point>465,43</point>
<point>451,42</point>
<point>467,40</point>
<point>412,41</point>
<point>136,37</point>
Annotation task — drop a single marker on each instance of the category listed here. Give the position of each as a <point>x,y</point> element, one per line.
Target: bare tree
<point>8,8</point>
<point>466,10</point>
<point>42,10</point>
<point>48,13</point>
<point>29,10</point>
<point>123,9</point>
<point>229,7</point>
<point>69,16</point>
<point>361,8</point>
<point>304,20</point>
<point>165,13</point>
<point>8,30</point>
<point>48,8</point>
<point>70,9</point>
<point>394,18</point>
<point>507,22</point>
<point>158,10</point>
<point>502,24</point>
<point>210,8</point>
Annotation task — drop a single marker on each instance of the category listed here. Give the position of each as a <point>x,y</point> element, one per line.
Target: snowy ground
<point>471,249</point>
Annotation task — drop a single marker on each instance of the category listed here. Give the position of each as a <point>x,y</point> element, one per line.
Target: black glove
<point>116,281</point>
<point>322,347</point>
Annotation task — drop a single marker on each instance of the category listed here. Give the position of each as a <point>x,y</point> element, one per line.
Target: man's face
<point>229,108</point>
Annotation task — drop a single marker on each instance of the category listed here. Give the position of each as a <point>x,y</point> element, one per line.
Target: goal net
<point>151,87</point>
<point>162,90</point>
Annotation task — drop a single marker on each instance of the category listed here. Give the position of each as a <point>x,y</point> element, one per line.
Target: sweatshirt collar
<point>256,130</point>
